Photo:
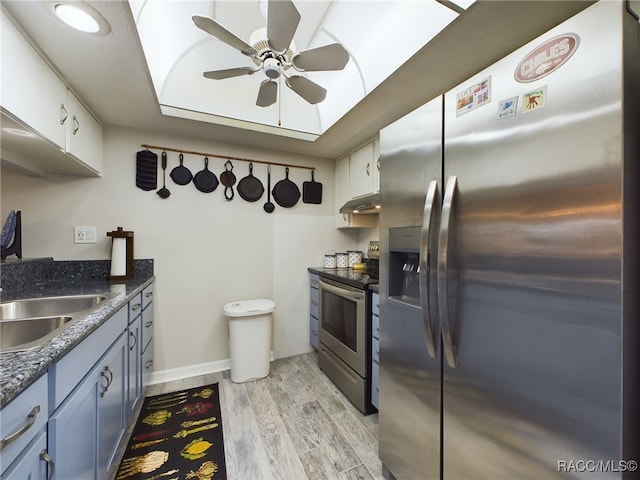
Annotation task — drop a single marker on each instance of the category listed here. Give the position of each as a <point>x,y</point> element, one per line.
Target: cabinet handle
<point>135,340</point>
<point>148,294</point>
<point>44,455</point>
<point>367,169</point>
<point>76,125</point>
<point>64,114</point>
<point>31,419</point>
<point>148,324</point>
<point>109,379</point>
<point>378,164</point>
<point>136,307</point>
<point>147,365</point>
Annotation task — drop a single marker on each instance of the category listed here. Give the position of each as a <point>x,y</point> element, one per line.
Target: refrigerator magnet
<point>507,107</point>
<point>534,99</point>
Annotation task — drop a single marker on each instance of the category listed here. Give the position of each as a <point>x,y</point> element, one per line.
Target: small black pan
<point>285,192</point>
<point>228,179</point>
<point>312,191</point>
<point>250,188</point>
<point>181,174</point>
<point>205,180</point>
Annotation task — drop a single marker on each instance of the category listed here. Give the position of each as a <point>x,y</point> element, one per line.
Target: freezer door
<point>410,378</point>
<point>533,260</point>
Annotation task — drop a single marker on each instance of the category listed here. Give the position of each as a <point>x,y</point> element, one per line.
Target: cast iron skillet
<point>285,192</point>
<point>181,174</point>
<point>228,179</point>
<point>205,180</point>
<point>250,188</point>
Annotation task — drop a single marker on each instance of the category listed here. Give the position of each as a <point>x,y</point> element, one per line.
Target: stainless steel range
<point>344,349</point>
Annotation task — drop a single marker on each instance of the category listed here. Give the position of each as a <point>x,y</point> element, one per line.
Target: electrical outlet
<point>84,234</point>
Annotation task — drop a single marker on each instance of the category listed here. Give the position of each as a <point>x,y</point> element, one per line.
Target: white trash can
<point>249,338</point>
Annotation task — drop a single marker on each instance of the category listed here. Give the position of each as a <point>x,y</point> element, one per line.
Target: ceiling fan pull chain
<point>280,101</point>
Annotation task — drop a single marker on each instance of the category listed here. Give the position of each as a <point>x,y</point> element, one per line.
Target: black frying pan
<point>285,192</point>
<point>250,188</point>
<point>181,174</point>
<point>228,179</point>
<point>205,180</point>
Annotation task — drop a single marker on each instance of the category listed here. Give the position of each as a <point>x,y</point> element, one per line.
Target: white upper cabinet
<point>364,178</point>
<point>46,129</point>
<point>343,193</point>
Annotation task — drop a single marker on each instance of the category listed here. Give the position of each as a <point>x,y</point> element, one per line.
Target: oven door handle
<point>342,292</point>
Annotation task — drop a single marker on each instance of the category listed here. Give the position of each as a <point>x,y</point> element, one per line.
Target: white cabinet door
<point>84,134</point>
<point>361,171</point>
<point>342,190</point>
<point>31,92</point>
<point>376,165</point>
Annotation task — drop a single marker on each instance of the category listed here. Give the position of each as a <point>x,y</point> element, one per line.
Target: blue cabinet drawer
<point>375,304</point>
<point>375,390</point>
<point>147,296</point>
<point>135,307</point>
<point>313,280</point>
<point>313,304</point>
<point>375,326</point>
<point>375,349</point>
<point>313,332</point>
<point>22,419</point>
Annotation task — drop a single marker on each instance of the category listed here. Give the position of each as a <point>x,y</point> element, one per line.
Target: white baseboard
<point>172,374</point>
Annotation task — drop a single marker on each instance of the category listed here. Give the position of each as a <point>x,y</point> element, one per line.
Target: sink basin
<point>48,306</point>
<point>29,333</point>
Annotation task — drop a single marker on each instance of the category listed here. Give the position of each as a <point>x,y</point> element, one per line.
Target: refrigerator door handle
<point>443,264</point>
<point>425,257</point>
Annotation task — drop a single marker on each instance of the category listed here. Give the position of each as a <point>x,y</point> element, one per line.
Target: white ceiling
<point>177,53</point>
<point>110,73</point>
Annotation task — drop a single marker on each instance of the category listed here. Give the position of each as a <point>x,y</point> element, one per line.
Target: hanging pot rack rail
<point>227,157</point>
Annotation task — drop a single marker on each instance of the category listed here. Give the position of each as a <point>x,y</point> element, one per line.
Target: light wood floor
<point>295,424</point>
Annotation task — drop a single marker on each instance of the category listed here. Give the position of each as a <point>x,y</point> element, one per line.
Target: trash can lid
<point>245,308</point>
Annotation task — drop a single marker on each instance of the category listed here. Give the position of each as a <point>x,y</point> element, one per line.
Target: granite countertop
<point>18,370</point>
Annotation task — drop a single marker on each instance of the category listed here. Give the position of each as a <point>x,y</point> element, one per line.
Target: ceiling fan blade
<point>268,93</point>
<point>282,21</point>
<point>230,72</point>
<point>215,29</point>
<point>311,92</point>
<point>328,57</point>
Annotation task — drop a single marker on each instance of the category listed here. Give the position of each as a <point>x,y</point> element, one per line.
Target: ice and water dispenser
<point>404,264</point>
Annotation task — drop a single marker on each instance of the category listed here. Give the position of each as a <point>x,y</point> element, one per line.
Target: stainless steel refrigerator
<point>509,342</point>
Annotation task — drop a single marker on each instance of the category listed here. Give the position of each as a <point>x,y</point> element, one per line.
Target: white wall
<point>208,251</point>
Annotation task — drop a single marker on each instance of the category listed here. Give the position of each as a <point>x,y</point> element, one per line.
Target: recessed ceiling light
<point>81,17</point>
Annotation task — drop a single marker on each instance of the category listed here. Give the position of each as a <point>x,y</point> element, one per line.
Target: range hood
<point>369,204</point>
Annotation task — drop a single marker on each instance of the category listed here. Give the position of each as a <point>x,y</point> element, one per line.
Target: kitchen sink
<point>48,306</point>
<point>24,334</point>
<point>31,322</point>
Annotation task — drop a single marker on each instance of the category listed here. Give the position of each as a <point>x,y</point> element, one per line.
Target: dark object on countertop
<point>312,191</point>
<point>205,180</point>
<point>269,206</point>
<point>12,229</point>
<point>164,191</point>
<point>228,179</point>
<point>146,170</point>
<point>250,188</point>
<point>181,174</point>
<point>285,192</point>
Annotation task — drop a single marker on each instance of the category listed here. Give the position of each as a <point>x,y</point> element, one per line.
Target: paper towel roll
<point>119,257</point>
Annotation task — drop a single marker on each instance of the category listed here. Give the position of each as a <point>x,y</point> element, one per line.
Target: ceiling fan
<point>272,50</point>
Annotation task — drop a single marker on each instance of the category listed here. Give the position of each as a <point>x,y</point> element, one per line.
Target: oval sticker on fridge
<point>547,58</point>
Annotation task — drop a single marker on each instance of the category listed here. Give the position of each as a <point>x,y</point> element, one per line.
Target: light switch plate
<point>84,234</point>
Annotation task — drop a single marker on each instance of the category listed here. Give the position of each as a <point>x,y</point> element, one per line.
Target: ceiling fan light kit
<point>273,51</point>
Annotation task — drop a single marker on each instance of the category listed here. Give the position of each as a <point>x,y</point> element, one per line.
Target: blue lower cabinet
<point>85,431</point>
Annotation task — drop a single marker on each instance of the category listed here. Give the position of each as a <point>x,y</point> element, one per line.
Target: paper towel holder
<point>121,262</point>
